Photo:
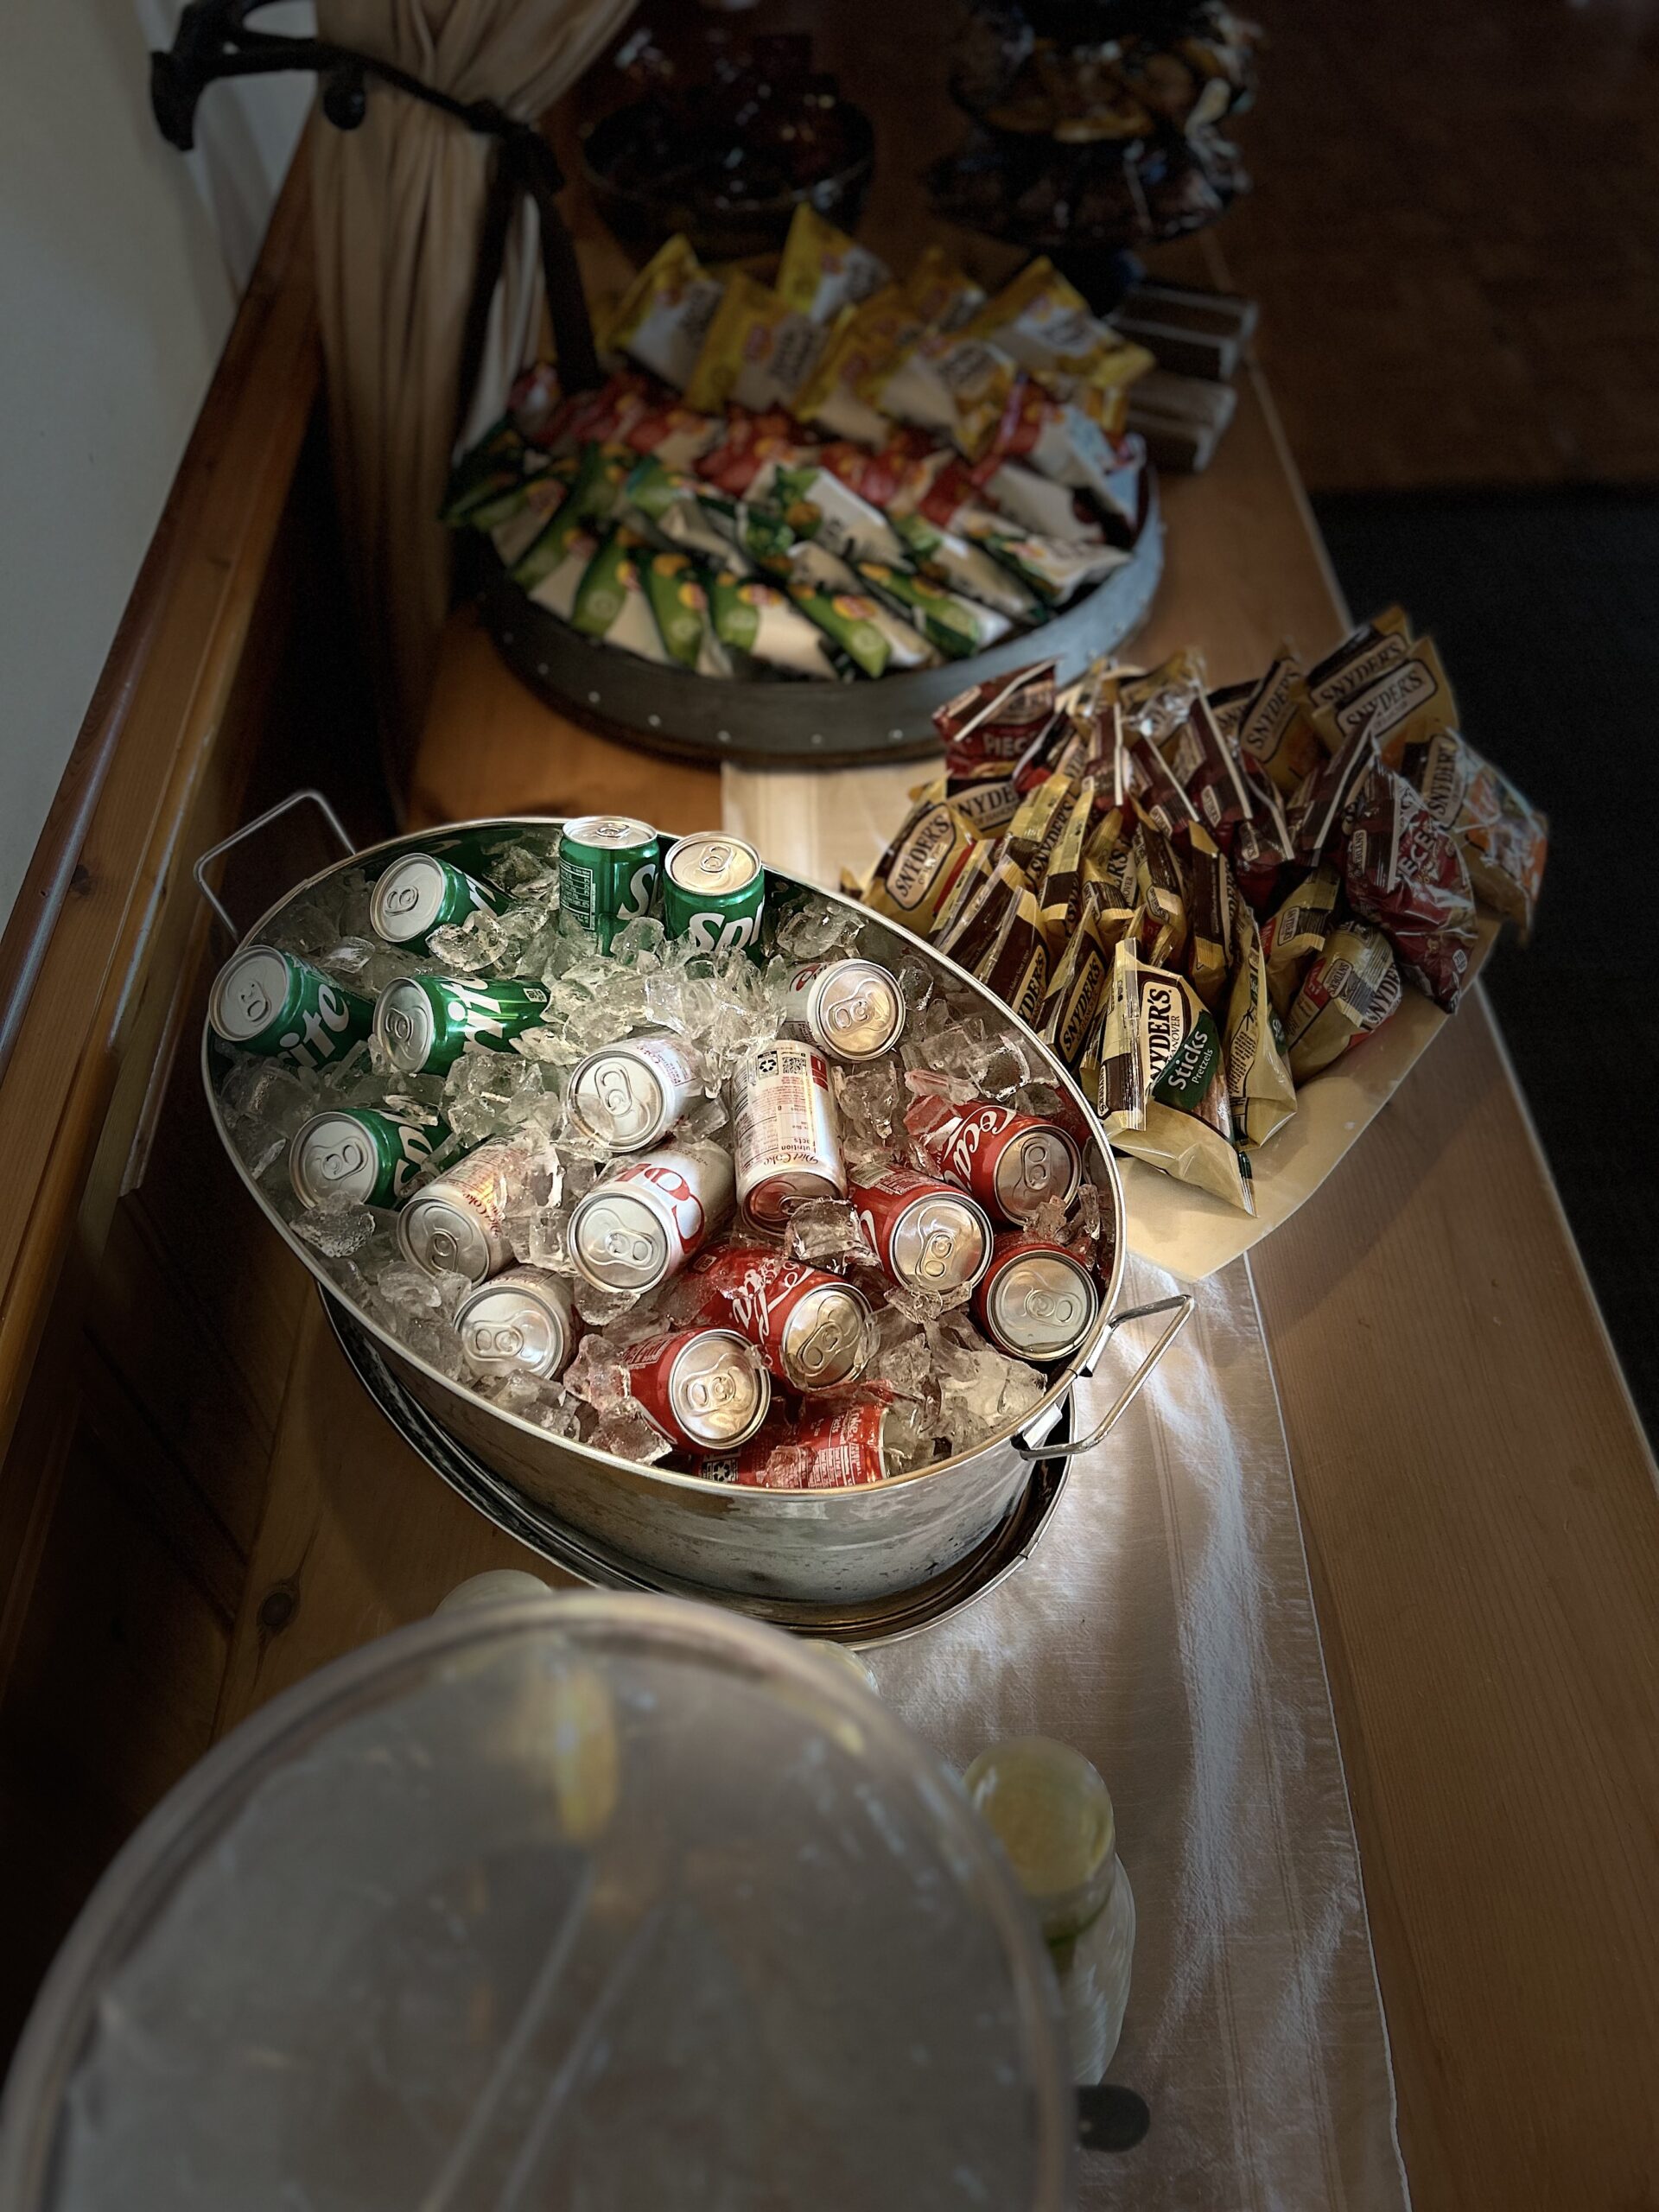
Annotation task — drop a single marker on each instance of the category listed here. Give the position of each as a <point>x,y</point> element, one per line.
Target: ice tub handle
<point>1179,1309</point>
<point>252,829</point>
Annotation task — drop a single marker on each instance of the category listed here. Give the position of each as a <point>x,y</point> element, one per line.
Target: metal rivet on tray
<point>816,737</point>
<point>541,668</point>
<point>724,735</point>
<point>654,721</point>
<point>593,698</point>
<point>506,637</point>
<point>895,736</point>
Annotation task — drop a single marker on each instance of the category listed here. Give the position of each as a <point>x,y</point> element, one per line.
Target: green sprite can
<point>608,869</point>
<point>714,893</point>
<point>368,1154</point>
<point>422,1023</point>
<point>269,1003</point>
<point>421,893</point>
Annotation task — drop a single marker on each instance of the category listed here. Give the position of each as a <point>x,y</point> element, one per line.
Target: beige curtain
<point>398,206</point>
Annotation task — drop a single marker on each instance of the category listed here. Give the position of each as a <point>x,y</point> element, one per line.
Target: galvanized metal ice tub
<point>841,1548</point>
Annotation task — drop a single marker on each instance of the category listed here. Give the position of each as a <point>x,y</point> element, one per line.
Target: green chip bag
<point>757,619</point>
<point>612,601</point>
<point>593,492</point>
<point>955,626</point>
<point>679,604</point>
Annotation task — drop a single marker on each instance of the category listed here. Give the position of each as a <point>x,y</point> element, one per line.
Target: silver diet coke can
<point>644,1221</point>
<point>788,1142</point>
<point>520,1323</point>
<point>928,1235</point>
<point>852,1009</point>
<point>626,1096</point>
<point>458,1224</point>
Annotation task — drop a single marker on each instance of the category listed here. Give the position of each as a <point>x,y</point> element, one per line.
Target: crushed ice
<point>944,1388</point>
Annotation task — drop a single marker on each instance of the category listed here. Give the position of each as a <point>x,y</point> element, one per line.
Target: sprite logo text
<point>322,1029</point>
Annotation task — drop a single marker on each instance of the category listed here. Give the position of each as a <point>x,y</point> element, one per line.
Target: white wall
<point>121,263</point>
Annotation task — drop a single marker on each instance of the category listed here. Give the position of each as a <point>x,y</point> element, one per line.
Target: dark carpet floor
<point>1546,609</point>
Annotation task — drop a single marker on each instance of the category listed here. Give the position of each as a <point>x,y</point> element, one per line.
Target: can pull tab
<point>936,1254</point>
<point>820,1348</point>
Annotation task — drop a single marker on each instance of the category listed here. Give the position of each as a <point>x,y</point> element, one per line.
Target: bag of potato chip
<point>822,270</point>
<point>758,619</point>
<point>956,626</point>
<point>1044,324</point>
<point>681,608</point>
<point>664,316</point>
<point>593,492</point>
<point>941,296</point>
<point>862,342</point>
<point>757,354</point>
<point>946,383</point>
<point>611,602</point>
<point>964,567</point>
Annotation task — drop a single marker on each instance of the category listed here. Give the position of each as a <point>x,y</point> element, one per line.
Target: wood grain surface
<point>85,972</point>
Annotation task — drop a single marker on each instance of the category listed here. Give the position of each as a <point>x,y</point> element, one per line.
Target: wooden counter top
<point>1479,1502</point>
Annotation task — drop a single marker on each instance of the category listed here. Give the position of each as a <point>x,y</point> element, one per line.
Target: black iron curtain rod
<point>214,41</point>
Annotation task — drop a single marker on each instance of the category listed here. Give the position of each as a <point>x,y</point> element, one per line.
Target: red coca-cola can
<point>1037,1301</point>
<point>928,1235</point>
<point>1012,1162</point>
<point>837,1447</point>
<point>745,1464</point>
<point>704,1387</point>
<point>811,1328</point>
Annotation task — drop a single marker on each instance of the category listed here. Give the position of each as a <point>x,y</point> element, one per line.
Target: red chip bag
<point>1404,873</point>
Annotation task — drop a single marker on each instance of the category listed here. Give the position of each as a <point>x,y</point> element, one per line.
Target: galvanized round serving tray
<point>883,1620</point>
<point>769,723</point>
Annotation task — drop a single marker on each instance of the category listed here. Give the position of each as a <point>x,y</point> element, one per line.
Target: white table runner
<point>1165,1627</point>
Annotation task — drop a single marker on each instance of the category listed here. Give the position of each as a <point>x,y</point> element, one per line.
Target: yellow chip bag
<point>758,352</point>
<point>822,270</point>
<point>1044,324</point>
<point>947,382</point>
<point>861,341</point>
<point>662,318</point>
<point>943,295</point>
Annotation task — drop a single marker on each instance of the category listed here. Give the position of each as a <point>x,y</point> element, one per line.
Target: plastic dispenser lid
<point>565,1903</point>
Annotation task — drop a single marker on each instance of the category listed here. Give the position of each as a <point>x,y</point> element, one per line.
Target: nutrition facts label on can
<point>578,894</point>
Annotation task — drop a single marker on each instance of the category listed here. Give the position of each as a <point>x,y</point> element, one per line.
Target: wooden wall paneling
<point>89,978</point>
<point>111,1698</point>
<point>147,1315</point>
